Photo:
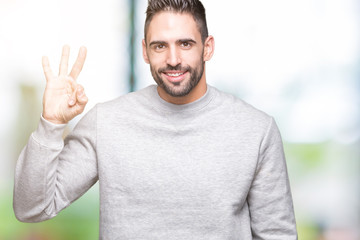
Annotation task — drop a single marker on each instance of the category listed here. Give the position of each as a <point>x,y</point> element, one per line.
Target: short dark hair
<point>194,7</point>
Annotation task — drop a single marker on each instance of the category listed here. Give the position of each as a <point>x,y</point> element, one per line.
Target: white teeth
<point>174,74</point>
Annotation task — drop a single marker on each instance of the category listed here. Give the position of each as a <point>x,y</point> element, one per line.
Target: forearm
<point>35,174</point>
<point>52,173</point>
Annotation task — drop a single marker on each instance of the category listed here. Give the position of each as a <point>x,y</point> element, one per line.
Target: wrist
<point>52,120</point>
<point>49,134</point>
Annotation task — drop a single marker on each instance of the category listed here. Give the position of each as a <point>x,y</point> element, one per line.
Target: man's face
<point>175,52</point>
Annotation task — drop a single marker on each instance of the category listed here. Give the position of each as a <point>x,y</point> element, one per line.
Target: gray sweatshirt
<point>211,169</point>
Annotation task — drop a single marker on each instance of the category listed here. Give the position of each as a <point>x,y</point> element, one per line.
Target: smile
<point>174,74</point>
<point>175,77</point>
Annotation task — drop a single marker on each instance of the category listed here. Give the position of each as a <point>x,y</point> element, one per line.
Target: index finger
<point>79,63</point>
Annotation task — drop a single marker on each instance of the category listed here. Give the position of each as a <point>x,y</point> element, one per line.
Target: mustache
<point>174,68</point>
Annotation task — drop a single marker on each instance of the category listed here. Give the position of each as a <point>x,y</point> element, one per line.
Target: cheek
<point>155,66</point>
<point>193,58</point>
<point>157,59</point>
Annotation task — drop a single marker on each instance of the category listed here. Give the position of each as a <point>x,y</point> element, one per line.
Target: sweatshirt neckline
<point>193,106</point>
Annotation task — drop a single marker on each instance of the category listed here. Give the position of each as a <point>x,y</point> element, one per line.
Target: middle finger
<point>64,61</point>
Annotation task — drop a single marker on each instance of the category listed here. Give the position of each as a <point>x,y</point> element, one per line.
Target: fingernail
<point>71,102</point>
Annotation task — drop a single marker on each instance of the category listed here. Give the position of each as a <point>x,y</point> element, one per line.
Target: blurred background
<point>297,60</point>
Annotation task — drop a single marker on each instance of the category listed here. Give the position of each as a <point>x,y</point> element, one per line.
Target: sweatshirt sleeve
<point>269,199</point>
<point>51,172</point>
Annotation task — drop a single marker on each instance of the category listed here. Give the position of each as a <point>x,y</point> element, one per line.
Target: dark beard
<point>173,89</point>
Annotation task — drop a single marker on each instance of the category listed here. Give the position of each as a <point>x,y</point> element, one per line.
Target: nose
<point>173,57</point>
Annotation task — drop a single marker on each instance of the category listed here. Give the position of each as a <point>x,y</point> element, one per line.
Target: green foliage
<point>308,231</point>
<point>309,156</point>
<point>79,221</point>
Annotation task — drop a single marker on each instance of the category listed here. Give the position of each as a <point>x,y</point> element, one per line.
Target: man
<point>180,160</point>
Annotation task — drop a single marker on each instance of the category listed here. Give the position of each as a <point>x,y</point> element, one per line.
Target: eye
<point>159,46</point>
<point>185,44</point>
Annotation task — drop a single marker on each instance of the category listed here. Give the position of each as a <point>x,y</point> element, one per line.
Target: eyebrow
<point>157,42</point>
<point>186,40</point>
<point>177,41</point>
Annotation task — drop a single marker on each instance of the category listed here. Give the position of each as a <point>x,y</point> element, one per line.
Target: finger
<point>80,96</point>
<point>63,70</point>
<point>79,63</point>
<point>46,67</point>
<point>72,100</point>
<point>72,93</point>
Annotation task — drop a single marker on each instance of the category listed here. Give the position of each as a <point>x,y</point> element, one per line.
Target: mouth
<point>175,76</point>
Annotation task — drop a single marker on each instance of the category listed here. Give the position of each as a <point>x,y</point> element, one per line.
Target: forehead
<point>167,26</point>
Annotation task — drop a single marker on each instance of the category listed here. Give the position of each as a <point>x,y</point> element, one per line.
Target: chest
<point>196,163</point>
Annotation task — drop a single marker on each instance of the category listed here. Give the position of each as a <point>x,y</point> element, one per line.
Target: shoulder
<point>236,108</point>
<point>125,108</point>
<point>128,100</point>
<point>244,121</point>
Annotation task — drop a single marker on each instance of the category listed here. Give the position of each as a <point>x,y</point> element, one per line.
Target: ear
<point>209,46</point>
<point>145,56</point>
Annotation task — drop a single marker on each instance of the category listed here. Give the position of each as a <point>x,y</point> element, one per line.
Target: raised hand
<point>64,98</point>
